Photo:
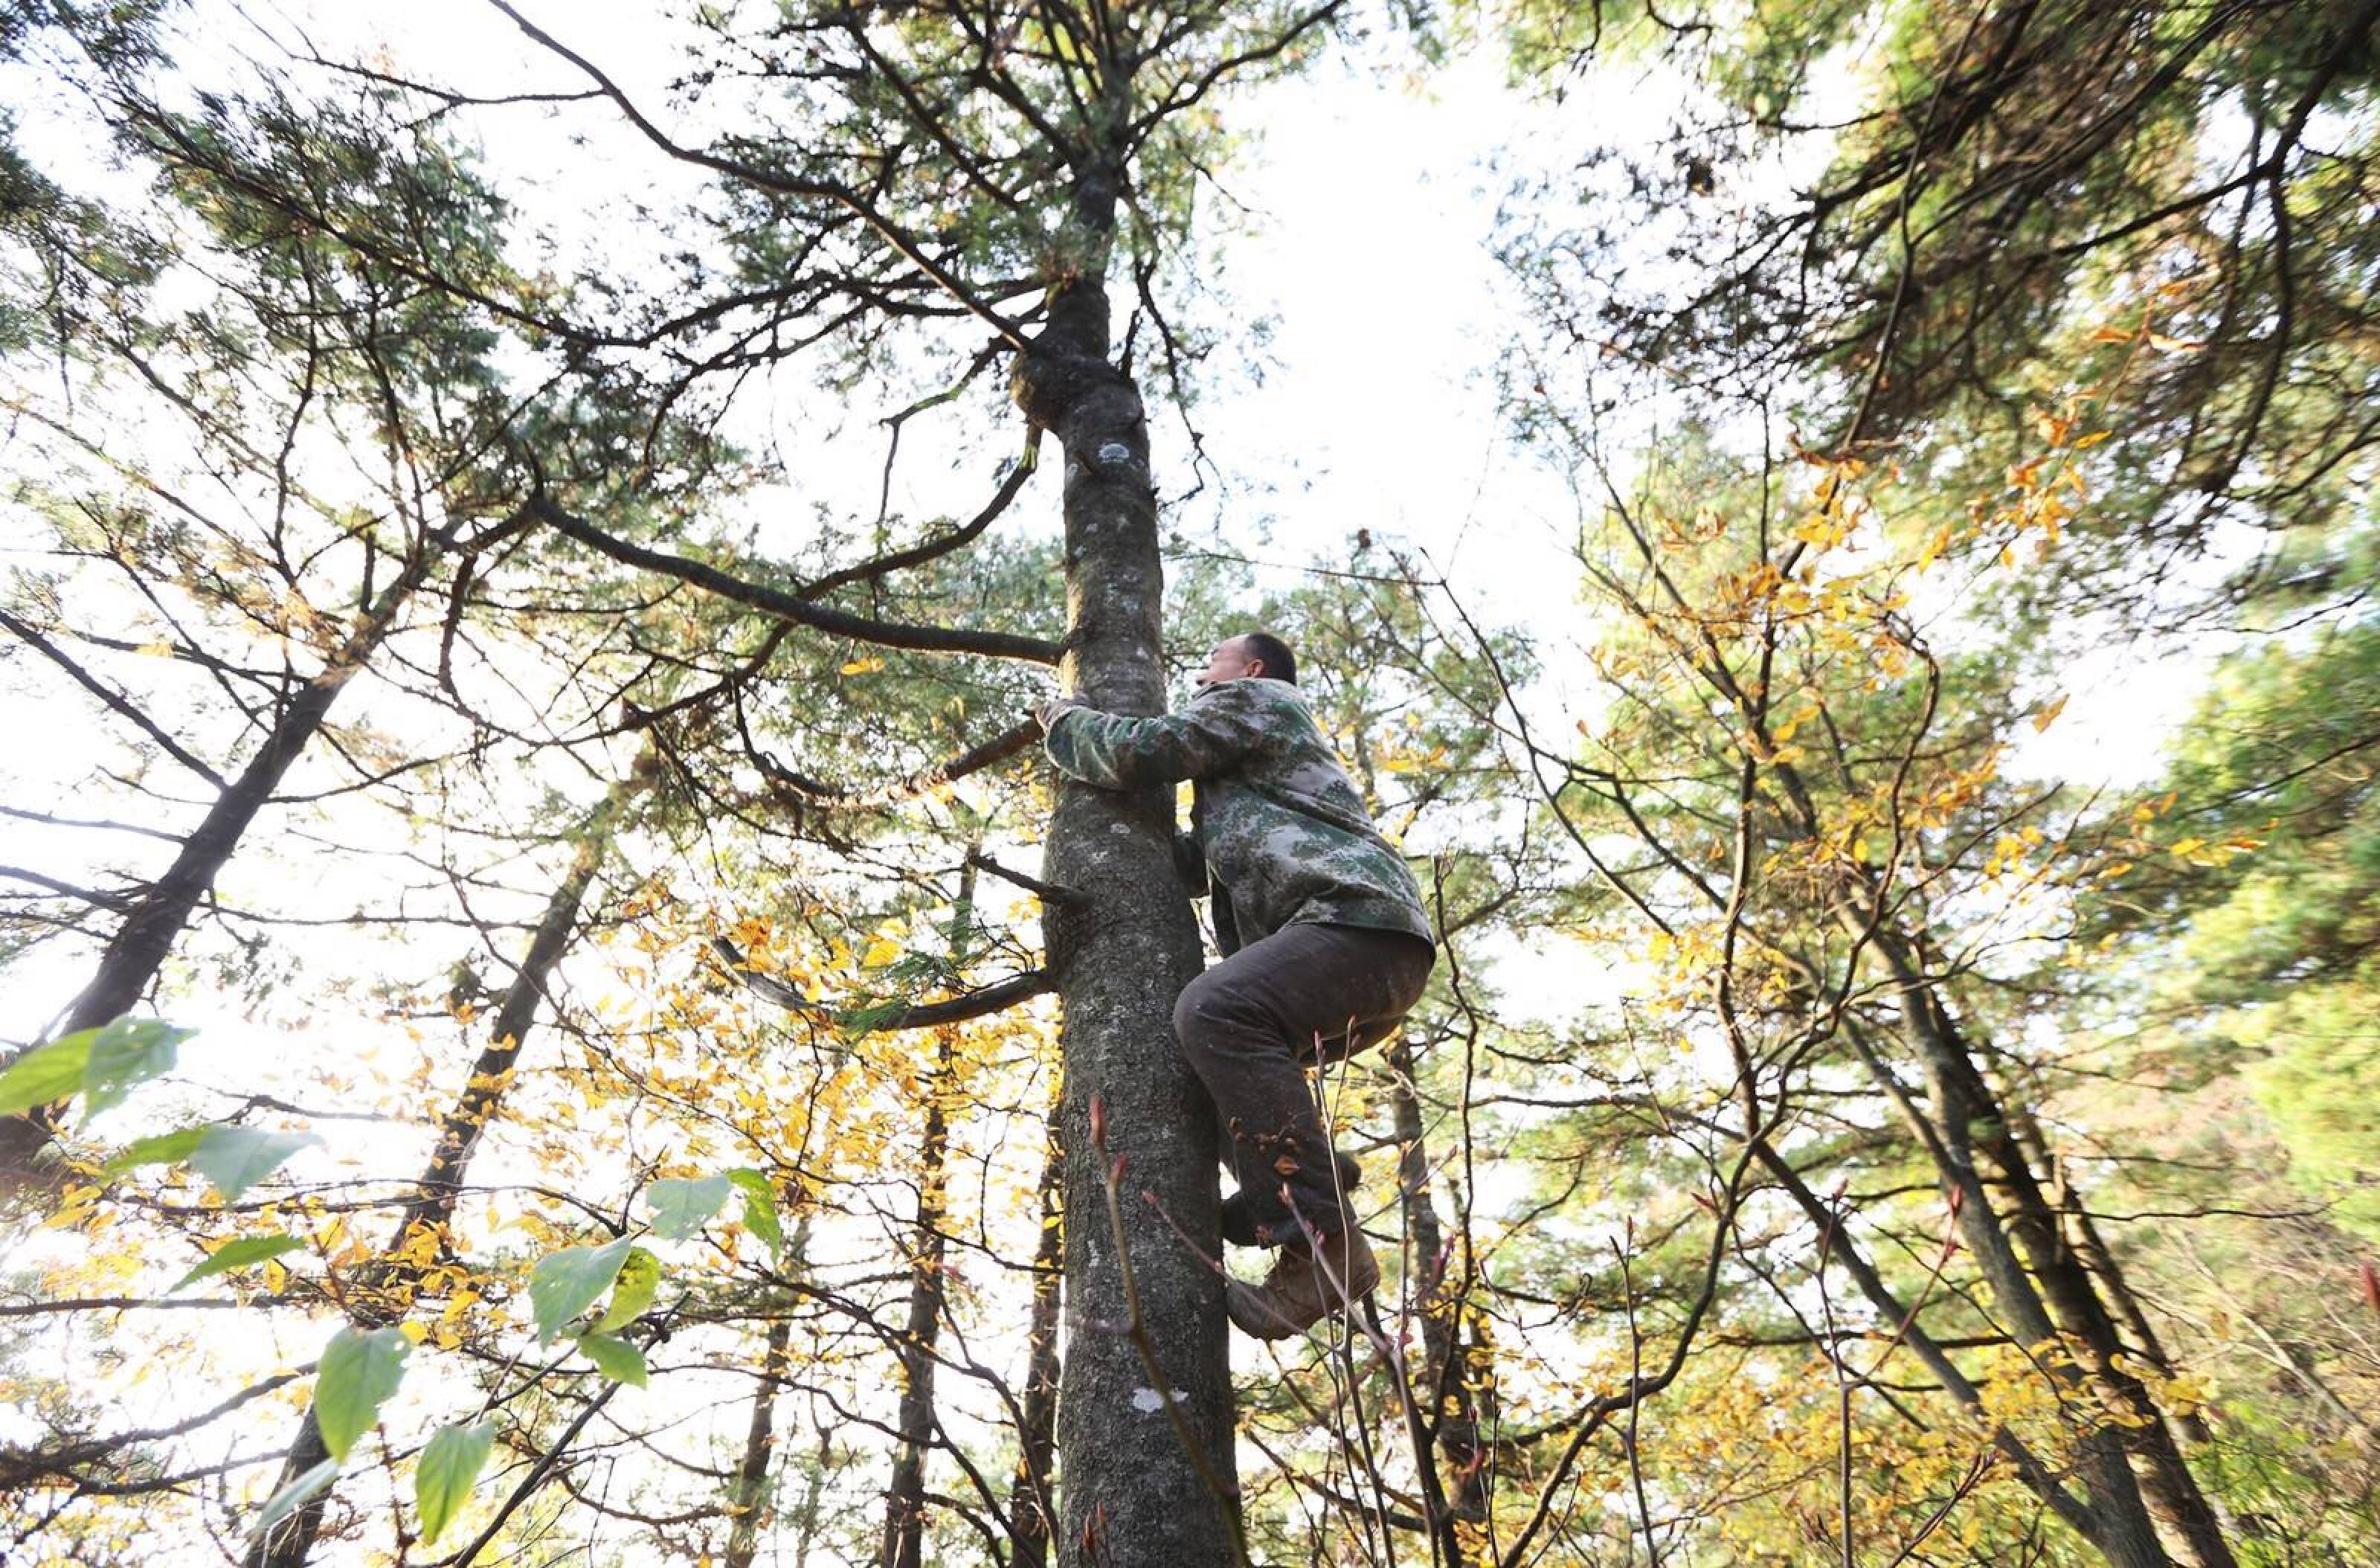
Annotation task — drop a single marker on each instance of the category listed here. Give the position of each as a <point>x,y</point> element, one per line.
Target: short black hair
<point>1280,663</point>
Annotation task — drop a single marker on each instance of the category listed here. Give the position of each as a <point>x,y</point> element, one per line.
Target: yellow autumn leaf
<point>880,952</point>
<point>1933,547</point>
<point>863,666</point>
<point>2048,715</point>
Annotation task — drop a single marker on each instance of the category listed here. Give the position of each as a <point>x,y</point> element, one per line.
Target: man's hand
<point>1046,711</point>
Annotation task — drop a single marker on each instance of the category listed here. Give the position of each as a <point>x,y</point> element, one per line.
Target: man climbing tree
<point>1326,946</point>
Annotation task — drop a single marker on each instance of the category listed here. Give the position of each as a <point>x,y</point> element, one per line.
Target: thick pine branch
<point>996,998</point>
<point>787,606</point>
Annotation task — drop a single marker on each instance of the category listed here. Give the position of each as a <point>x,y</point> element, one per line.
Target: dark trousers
<point>1306,994</point>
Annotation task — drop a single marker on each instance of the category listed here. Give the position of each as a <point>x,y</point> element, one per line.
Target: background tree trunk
<point>750,1491</point>
<point>386,1293</point>
<point>904,1499</point>
<point>163,911</point>
<point>1442,1384</point>
<point>2040,1282</point>
<point>1028,1497</point>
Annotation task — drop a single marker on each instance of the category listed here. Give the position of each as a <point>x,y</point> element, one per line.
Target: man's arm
<point>1190,865</point>
<point>1225,919</point>
<point>1116,751</point>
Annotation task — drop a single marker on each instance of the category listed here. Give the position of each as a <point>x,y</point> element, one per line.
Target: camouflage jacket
<point>1280,823</point>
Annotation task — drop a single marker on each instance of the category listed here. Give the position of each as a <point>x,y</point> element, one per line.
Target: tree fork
<point>2050,1290</point>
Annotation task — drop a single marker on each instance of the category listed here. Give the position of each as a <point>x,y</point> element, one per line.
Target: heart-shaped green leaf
<point>567,1282</point>
<point>127,1051</point>
<point>235,1158</point>
<point>640,1276</point>
<point>46,1074</point>
<point>759,1208</point>
<point>159,1148</point>
<point>615,1359</point>
<point>358,1371</point>
<point>445,1473</point>
<point>679,1208</point>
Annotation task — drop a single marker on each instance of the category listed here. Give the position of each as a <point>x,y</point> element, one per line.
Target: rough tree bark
<point>1130,1491</point>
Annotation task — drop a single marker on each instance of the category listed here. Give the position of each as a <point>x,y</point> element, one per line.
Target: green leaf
<point>640,1276</point>
<point>46,1074</point>
<point>615,1359</point>
<point>295,1496</point>
<point>680,1207</point>
<point>359,1372</point>
<point>159,1148</point>
<point>759,1208</point>
<point>239,1254</point>
<point>567,1282</point>
<point>444,1476</point>
<point>127,1051</point>
<point>235,1158</point>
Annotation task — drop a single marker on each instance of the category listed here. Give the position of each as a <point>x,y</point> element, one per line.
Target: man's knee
<point>1210,1010</point>
<point>1193,1011</point>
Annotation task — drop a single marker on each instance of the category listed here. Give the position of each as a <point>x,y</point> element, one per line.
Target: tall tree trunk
<point>2129,1463</point>
<point>384,1295</point>
<point>163,911</point>
<point>1131,1492</point>
<point>2038,1475</point>
<point>748,1493</point>
<point>2083,1238</point>
<point>1028,1515</point>
<point>806,1517</point>
<point>1443,1386</point>
<point>904,1499</point>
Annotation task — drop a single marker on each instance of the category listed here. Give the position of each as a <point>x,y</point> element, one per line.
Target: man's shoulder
<point>1259,696</point>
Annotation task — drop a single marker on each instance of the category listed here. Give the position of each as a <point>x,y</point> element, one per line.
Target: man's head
<point>1250,654</point>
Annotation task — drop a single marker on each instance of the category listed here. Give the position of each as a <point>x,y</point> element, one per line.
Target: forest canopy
<point>560,1010</point>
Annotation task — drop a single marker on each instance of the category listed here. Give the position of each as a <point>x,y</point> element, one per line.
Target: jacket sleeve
<point>1215,730</point>
<point>1190,865</point>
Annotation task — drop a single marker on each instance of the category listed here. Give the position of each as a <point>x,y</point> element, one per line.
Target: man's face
<point>1230,661</point>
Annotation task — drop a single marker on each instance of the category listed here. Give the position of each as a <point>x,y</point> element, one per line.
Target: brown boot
<point>1303,1288</point>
